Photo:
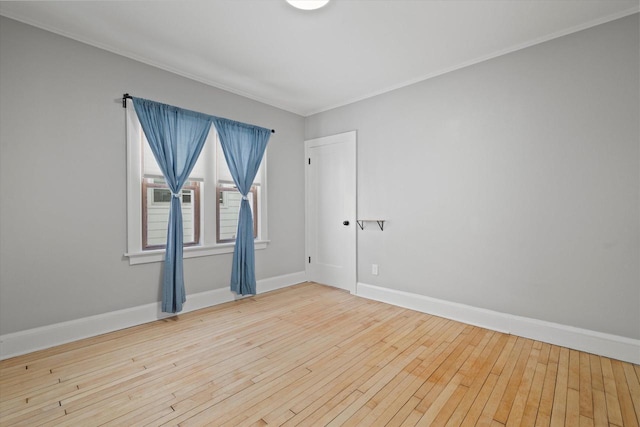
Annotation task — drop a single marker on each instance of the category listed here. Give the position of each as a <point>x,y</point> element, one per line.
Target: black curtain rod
<point>127,96</point>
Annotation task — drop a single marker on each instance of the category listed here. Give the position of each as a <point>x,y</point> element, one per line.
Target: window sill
<point>157,255</point>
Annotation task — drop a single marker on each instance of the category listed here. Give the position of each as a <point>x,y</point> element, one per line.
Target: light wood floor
<point>312,355</point>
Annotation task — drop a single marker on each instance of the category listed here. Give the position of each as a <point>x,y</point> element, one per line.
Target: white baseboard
<point>614,346</point>
<point>23,342</point>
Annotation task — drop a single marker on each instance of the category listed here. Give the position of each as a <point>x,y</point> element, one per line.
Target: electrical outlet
<point>374,269</point>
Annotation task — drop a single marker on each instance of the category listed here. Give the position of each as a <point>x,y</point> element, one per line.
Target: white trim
<point>23,342</point>
<point>279,282</point>
<point>608,345</point>
<point>157,255</point>
<point>134,179</point>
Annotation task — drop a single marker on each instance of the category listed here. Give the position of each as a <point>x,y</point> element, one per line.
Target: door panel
<point>330,204</point>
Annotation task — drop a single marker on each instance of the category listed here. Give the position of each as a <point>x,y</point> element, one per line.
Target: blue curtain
<point>176,137</point>
<point>243,146</point>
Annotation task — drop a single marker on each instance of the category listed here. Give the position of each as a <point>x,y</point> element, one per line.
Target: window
<point>208,200</point>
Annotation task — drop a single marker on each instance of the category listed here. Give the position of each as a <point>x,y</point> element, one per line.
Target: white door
<point>331,210</point>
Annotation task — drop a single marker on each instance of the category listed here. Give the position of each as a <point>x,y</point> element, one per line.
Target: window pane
<point>228,207</point>
<point>157,201</point>
<point>150,166</point>
<point>161,195</point>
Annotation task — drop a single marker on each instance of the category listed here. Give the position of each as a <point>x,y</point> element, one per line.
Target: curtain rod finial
<point>124,99</point>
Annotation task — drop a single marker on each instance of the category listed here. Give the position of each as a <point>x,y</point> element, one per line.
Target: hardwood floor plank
<point>574,370</point>
<point>311,355</point>
<point>559,408</point>
<point>506,402</point>
<point>520,400</point>
<point>573,407</point>
<point>440,372</point>
<point>586,421</point>
<point>586,387</point>
<point>533,400</point>
<point>611,393</point>
<point>634,387</point>
<point>599,409</point>
<point>404,412</point>
<point>543,416</point>
<point>438,404</point>
<point>475,380</point>
<point>624,395</point>
<point>477,407</point>
<point>41,415</point>
<point>443,417</point>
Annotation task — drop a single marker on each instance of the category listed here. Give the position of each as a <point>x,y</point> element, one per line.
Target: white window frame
<point>208,245</point>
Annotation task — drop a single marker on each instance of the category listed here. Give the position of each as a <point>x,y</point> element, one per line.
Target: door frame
<point>341,138</point>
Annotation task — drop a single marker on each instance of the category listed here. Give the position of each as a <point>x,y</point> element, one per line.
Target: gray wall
<point>63,182</point>
<point>511,185</point>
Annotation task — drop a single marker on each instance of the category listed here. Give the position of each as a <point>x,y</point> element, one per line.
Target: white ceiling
<point>307,62</point>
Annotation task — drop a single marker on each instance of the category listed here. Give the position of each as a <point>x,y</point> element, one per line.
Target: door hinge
<point>309,160</point>
<point>309,260</point>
